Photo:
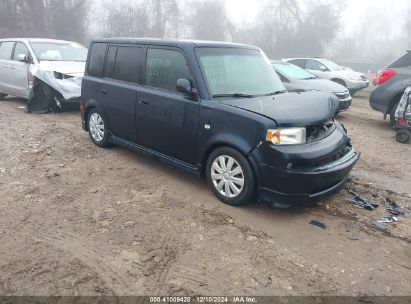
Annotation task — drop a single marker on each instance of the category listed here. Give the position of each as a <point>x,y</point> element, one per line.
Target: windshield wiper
<point>276,93</point>
<point>240,95</point>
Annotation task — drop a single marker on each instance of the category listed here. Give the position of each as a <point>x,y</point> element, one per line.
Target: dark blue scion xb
<point>219,110</point>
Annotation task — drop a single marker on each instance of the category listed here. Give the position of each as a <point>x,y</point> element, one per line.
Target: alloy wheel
<point>96,127</point>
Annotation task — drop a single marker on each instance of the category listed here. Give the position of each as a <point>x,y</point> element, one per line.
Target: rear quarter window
<point>5,50</point>
<point>125,63</point>
<point>96,60</point>
<point>402,62</point>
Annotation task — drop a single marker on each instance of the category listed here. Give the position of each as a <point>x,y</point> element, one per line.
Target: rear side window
<point>404,61</point>
<point>164,67</point>
<point>5,50</point>
<point>128,63</point>
<point>20,48</point>
<point>299,62</point>
<point>96,60</point>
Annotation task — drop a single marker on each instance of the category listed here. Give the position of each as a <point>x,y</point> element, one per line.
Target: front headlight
<point>287,136</point>
<point>354,77</point>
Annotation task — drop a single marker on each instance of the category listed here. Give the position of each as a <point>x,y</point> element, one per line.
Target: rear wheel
<point>97,128</point>
<point>230,176</point>
<point>403,136</point>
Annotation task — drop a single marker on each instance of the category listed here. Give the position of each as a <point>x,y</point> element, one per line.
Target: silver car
<point>46,72</point>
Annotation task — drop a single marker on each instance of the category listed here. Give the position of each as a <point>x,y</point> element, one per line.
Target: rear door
<point>119,89</point>
<point>6,48</point>
<point>167,121</point>
<point>18,71</point>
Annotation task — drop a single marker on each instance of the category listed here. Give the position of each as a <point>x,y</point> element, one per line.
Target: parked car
<point>217,109</point>
<point>328,69</point>
<point>47,72</point>
<point>296,79</point>
<point>391,85</point>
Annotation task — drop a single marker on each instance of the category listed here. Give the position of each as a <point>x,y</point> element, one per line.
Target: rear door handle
<point>143,102</point>
<point>104,91</point>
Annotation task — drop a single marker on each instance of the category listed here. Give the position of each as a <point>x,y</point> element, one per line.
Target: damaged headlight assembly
<point>287,136</point>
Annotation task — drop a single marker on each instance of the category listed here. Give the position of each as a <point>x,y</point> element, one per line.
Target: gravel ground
<point>79,220</point>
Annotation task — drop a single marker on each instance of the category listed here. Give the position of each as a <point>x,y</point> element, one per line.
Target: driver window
<point>20,48</point>
<point>315,65</point>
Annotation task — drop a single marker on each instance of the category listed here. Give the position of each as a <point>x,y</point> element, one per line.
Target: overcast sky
<point>355,11</point>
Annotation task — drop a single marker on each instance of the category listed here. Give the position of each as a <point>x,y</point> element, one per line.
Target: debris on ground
<point>360,202</point>
<point>380,226</point>
<point>354,237</point>
<point>318,223</point>
<point>393,208</point>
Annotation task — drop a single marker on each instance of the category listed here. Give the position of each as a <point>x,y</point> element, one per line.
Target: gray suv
<point>391,85</point>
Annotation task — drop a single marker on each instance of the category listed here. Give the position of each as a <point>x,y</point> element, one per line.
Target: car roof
<point>174,42</point>
<point>36,40</point>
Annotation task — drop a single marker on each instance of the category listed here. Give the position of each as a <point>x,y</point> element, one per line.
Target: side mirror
<point>22,58</point>
<point>323,69</point>
<point>184,86</point>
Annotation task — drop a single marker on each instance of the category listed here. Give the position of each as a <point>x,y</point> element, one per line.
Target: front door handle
<point>104,91</point>
<point>143,102</point>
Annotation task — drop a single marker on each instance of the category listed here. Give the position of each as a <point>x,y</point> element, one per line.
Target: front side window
<point>56,51</point>
<point>5,50</point>
<point>164,67</point>
<point>20,48</point>
<point>292,71</point>
<point>332,65</point>
<point>232,71</point>
<point>316,65</point>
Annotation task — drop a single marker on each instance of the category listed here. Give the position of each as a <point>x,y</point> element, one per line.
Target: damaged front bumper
<point>53,91</point>
<point>305,174</point>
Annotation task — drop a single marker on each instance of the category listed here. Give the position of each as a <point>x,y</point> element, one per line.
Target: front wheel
<point>230,176</point>
<point>97,128</point>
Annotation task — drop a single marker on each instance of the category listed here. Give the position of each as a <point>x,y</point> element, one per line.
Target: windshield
<point>237,72</point>
<point>332,65</point>
<point>292,71</point>
<point>52,51</point>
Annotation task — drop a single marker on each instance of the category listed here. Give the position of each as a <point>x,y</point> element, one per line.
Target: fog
<point>366,34</point>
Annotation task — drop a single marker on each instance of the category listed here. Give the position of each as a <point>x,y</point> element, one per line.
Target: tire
<point>402,136</point>
<point>43,100</point>
<point>97,129</point>
<point>392,113</point>
<point>229,169</point>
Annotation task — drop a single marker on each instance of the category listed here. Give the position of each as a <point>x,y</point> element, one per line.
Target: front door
<point>19,82</point>
<point>119,89</point>
<point>167,121</point>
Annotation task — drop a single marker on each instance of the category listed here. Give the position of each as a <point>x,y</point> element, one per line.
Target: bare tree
<point>209,21</point>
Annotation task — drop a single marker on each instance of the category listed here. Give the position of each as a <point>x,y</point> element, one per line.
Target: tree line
<point>282,28</point>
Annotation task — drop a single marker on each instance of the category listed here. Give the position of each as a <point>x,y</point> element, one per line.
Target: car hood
<point>291,109</point>
<point>319,84</point>
<point>72,68</point>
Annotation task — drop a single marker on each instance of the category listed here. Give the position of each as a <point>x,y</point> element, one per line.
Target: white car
<point>327,69</point>
<point>46,72</point>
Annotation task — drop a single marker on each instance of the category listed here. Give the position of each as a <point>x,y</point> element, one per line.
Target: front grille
<point>309,165</point>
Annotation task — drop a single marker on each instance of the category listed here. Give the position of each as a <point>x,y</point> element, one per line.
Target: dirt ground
<point>79,220</point>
